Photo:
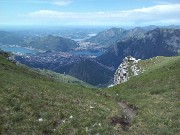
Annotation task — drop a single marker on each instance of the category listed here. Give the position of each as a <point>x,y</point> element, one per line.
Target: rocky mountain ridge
<point>127,69</point>
<point>111,36</point>
<point>157,42</point>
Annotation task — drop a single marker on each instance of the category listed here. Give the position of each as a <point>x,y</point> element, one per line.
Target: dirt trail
<point>129,111</point>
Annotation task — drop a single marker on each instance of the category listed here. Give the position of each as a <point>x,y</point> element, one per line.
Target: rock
<point>110,86</point>
<point>127,69</point>
<point>40,119</point>
<point>91,107</point>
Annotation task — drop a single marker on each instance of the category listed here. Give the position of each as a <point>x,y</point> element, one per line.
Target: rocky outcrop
<point>127,69</point>
<point>4,54</point>
<point>8,56</point>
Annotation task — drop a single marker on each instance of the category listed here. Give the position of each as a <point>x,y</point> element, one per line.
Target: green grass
<point>156,93</point>
<point>63,78</point>
<point>27,96</point>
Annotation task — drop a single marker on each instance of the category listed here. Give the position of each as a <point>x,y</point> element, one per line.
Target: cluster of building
<point>83,45</point>
<point>62,58</point>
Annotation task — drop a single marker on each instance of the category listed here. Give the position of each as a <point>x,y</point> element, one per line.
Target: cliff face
<point>158,42</point>
<point>126,70</point>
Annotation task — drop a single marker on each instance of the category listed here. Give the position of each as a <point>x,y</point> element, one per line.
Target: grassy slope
<point>156,93</point>
<point>27,96</point>
<point>63,78</point>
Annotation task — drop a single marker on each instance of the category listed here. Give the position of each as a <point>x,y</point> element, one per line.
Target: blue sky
<point>89,12</point>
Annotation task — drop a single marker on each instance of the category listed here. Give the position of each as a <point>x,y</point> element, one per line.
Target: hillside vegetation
<point>155,94</point>
<point>51,42</point>
<point>62,77</point>
<point>32,103</point>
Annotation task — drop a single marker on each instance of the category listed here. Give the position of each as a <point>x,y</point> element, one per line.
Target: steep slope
<point>34,104</point>
<point>154,95</point>
<point>165,42</point>
<point>158,42</point>
<point>91,72</point>
<point>62,77</point>
<point>127,69</point>
<point>111,36</point>
<point>85,69</point>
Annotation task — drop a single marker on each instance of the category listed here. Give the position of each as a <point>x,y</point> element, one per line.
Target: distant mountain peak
<point>111,36</point>
<point>157,42</point>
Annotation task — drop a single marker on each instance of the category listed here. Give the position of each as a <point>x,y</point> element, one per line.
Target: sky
<point>89,12</point>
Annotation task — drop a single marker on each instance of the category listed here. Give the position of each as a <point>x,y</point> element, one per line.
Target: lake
<point>16,49</point>
<point>22,50</point>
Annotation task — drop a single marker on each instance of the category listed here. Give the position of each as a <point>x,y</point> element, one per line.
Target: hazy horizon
<point>89,13</point>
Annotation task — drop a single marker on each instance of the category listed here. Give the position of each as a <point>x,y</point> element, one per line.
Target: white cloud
<point>161,2</point>
<point>54,2</point>
<point>156,14</point>
<point>62,2</point>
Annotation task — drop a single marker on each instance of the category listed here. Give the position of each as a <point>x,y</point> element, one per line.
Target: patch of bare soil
<point>130,112</point>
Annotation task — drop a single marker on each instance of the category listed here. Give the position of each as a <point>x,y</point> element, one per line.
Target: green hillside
<point>62,77</point>
<point>33,103</point>
<point>156,96</point>
<point>51,42</point>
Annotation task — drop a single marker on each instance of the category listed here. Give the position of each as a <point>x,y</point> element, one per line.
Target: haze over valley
<point>75,67</point>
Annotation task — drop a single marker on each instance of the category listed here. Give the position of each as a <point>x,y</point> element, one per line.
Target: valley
<point>105,49</point>
<point>37,102</point>
<point>85,91</point>
<point>89,67</point>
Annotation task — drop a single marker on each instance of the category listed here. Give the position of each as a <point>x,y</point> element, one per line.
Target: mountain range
<point>45,43</point>
<point>144,45</point>
<point>137,42</point>
<point>111,36</point>
<point>140,43</point>
<point>157,42</point>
